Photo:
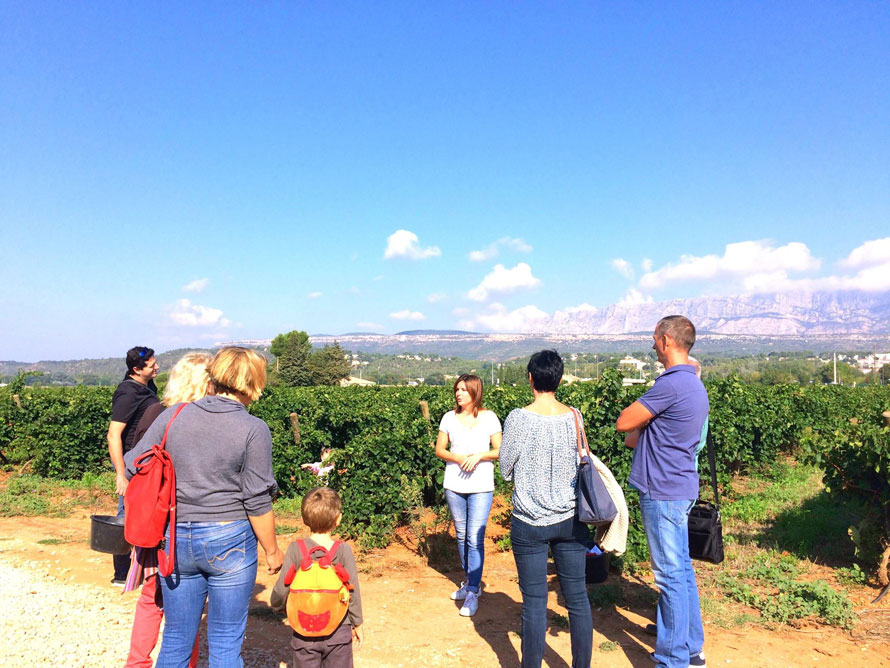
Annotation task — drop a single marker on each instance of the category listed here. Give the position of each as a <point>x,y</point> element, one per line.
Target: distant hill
<point>435,332</point>
<point>737,325</point>
<point>104,371</point>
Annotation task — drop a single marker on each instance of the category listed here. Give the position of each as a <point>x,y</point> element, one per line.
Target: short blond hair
<point>187,380</point>
<point>320,509</point>
<point>238,370</point>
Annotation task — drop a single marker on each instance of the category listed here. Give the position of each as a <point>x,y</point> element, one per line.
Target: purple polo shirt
<point>664,459</point>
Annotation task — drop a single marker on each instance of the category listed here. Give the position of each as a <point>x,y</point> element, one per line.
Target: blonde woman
<point>187,382</point>
<point>474,436</point>
<point>224,490</point>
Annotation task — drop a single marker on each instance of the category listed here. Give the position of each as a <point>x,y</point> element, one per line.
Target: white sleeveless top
<point>467,441</point>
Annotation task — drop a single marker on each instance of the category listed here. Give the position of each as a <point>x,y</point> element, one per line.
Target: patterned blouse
<point>539,454</point>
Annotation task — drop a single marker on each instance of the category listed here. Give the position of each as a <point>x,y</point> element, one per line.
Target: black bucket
<point>107,534</point>
<point>596,568</point>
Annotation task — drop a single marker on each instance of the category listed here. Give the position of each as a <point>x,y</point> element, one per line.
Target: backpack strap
<point>306,554</point>
<point>326,560</point>
<point>165,564</point>
<point>342,573</point>
<point>163,443</point>
<point>305,557</point>
<point>291,572</point>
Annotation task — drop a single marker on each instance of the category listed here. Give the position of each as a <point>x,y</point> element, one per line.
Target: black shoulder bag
<point>705,527</point>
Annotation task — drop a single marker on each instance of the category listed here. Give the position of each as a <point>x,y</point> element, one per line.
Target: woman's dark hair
<point>546,369</point>
<point>137,357</point>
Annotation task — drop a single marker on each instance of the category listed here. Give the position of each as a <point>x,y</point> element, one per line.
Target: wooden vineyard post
<point>886,416</point>
<point>18,401</point>
<point>425,411</point>
<point>295,427</point>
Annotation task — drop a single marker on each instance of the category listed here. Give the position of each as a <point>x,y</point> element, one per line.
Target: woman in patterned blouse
<point>539,454</point>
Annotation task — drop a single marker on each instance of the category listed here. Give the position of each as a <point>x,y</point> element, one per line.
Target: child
<point>322,468</point>
<point>321,513</point>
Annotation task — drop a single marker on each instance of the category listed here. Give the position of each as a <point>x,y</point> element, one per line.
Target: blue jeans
<point>470,515</point>
<point>121,561</point>
<point>680,632</point>
<point>214,562</point>
<point>568,541</point>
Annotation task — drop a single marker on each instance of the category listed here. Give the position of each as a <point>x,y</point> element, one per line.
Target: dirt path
<point>61,610</point>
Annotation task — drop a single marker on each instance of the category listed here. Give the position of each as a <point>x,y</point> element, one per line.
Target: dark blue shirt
<point>664,459</point>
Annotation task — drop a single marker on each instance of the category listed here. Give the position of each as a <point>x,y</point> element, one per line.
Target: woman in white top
<point>475,438</point>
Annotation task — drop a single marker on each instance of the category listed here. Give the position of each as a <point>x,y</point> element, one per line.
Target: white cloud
<point>503,280</point>
<point>314,295</point>
<point>623,267</point>
<point>760,267</point>
<point>492,250</point>
<point>379,277</point>
<point>460,311</point>
<point>373,326</point>
<point>646,264</point>
<point>197,285</point>
<point>403,243</point>
<point>872,279</point>
<point>868,254</point>
<point>184,313</point>
<point>407,315</point>
<point>436,297</point>
<point>576,310</point>
<point>739,260</point>
<point>525,319</point>
<point>633,297</point>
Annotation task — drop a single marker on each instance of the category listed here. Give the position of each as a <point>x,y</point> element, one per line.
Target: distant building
<point>352,380</point>
<point>866,363</point>
<point>633,362</point>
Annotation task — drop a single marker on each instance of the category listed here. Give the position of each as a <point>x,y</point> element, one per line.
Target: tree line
<point>298,365</point>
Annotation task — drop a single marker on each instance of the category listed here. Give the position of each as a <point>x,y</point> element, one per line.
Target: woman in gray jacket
<point>224,489</point>
<point>539,454</point>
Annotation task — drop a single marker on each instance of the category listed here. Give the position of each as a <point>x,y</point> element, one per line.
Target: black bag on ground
<point>705,527</point>
<point>593,502</point>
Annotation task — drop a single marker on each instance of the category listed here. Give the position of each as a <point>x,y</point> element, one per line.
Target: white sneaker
<point>461,593</point>
<point>471,604</point>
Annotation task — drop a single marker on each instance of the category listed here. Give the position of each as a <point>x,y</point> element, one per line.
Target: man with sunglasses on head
<point>136,392</point>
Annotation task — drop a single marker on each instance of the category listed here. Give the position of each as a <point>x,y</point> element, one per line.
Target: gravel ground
<point>49,621</point>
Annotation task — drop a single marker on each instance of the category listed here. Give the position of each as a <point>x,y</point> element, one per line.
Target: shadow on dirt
<point>816,530</point>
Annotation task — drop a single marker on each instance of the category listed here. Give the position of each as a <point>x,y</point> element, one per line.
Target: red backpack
<point>150,499</point>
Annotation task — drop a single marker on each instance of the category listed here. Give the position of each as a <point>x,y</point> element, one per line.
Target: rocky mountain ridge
<point>778,314</point>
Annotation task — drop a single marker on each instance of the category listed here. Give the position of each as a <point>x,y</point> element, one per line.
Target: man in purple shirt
<point>665,427</point>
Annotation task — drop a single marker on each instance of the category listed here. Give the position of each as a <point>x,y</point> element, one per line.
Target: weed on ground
<point>30,495</point>
<point>776,531</point>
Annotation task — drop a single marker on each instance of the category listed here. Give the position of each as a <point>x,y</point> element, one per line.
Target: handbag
<point>593,502</point>
<point>705,527</point>
<point>150,502</point>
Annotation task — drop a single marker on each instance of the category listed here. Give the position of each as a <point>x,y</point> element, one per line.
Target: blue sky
<point>189,173</point>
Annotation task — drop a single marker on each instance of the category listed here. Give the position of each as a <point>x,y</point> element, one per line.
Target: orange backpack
<point>319,592</point>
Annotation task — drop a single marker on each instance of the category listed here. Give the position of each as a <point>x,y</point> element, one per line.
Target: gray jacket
<point>223,460</point>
